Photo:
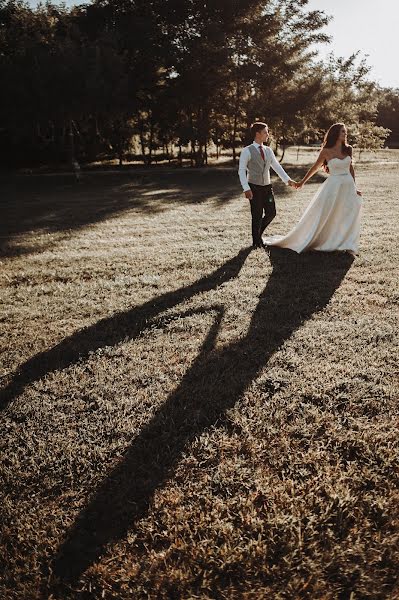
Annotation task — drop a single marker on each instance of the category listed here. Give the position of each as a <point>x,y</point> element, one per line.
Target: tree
<point>368,136</point>
<point>388,114</point>
<point>171,73</point>
<point>349,95</point>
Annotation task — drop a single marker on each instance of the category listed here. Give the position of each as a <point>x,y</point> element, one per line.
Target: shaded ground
<point>183,418</point>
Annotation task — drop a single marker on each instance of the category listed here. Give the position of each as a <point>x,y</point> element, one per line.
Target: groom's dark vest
<point>258,169</point>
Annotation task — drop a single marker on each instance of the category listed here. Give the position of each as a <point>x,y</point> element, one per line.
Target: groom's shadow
<point>112,330</point>
<point>299,287</point>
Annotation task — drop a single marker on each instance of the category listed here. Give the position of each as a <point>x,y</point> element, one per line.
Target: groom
<point>256,160</point>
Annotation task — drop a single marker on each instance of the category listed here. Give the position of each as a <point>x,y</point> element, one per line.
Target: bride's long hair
<point>330,139</point>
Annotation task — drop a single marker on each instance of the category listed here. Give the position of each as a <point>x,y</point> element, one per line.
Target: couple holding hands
<point>331,222</point>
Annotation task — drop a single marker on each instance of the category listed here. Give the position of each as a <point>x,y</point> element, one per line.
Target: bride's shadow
<point>299,287</point>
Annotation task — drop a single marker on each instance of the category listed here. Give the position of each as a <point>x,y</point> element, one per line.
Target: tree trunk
<point>142,144</point>
<point>235,125</point>
<point>151,142</point>
<point>198,156</point>
<point>282,156</point>
<point>62,140</point>
<point>73,163</point>
<point>233,143</point>
<point>192,154</point>
<point>203,134</point>
<point>71,145</point>
<point>192,141</point>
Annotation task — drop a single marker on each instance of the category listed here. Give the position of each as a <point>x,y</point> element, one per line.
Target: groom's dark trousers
<point>263,210</point>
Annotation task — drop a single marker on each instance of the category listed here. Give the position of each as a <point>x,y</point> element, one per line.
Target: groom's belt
<point>257,185</point>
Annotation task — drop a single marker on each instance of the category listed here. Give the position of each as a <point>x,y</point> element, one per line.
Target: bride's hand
<point>299,185</point>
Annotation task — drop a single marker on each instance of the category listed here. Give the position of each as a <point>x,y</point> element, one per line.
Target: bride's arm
<point>351,169</point>
<point>313,169</point>
<point>352,172</point>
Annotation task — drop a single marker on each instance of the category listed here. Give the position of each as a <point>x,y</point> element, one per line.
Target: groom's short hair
<point>256,127</point>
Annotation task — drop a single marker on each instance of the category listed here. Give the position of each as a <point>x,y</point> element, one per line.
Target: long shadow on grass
<point>33,209</point>
<point>112,330</point>
<point>298,287</point>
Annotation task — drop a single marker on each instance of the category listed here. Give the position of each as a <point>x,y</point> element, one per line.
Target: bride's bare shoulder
<point>323,154</point>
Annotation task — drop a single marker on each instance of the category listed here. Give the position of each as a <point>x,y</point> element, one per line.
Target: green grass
<point>184,418</point>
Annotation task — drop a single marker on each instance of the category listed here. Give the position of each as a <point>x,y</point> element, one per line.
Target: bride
<point>332,219</point>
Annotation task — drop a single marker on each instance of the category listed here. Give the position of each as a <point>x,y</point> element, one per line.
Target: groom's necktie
<point>262,153</point>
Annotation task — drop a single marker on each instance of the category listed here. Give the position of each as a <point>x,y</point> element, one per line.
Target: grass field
<point>182,418</point>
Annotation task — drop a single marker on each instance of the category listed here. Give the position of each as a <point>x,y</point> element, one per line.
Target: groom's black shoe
<point>258,244</point>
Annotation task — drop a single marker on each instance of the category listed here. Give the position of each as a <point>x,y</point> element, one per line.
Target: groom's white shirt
<point>270,161</point>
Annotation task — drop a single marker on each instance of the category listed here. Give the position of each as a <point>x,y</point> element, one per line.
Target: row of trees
<point>174,76</point>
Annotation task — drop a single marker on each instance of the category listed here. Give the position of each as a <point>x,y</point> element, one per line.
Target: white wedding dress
<point>332,219</point>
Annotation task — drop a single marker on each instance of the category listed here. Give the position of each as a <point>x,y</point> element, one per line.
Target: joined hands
<point>297,185</point>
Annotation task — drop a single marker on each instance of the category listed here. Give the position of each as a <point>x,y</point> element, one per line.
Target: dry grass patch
<point>183,418</point>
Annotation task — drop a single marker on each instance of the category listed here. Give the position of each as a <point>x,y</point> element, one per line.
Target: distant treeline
<point>135,77</point>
